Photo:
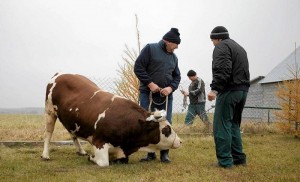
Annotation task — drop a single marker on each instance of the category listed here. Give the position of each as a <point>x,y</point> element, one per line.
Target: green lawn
<point>270,158</point>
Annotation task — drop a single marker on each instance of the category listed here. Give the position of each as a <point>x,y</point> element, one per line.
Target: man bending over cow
<point>157,69</point>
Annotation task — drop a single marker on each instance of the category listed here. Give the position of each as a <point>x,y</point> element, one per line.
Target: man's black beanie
<point>219,32</point>
<point>172,36</point>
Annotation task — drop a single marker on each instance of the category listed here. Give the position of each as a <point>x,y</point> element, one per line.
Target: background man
<point>197,99</point>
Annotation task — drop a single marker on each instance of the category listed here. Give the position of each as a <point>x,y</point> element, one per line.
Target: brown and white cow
<point>115,126</point>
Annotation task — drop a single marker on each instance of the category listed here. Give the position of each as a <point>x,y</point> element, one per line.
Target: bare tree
<point>127,85</point>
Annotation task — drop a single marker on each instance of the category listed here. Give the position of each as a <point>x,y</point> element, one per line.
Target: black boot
<point>164,156</point>
<point>150,157</point>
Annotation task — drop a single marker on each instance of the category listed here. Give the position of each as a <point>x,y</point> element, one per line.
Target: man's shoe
<point>164,156</point>
<point>150,157</point>
<point>240,164</point>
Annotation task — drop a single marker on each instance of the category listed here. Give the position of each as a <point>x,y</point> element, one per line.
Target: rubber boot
<point>150,157</point>
<point>164,156</point>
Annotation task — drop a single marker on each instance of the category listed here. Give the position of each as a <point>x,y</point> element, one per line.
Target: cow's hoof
<point>121,161</point>
<point>81,154</point>
<point>45,158</point>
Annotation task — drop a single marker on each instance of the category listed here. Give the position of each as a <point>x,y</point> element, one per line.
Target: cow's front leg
<point>100,157</point>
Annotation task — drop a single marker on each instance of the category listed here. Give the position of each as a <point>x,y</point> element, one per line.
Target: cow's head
<point>168,137</point>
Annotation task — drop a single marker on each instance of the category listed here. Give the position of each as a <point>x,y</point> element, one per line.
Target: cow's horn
<point>161,116</point>
<point>151,118</point>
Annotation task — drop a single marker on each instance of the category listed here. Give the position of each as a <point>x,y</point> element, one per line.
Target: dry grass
<point>271,157</point>
<point>24,127</point>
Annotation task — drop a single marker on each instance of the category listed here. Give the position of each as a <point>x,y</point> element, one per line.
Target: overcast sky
<point>41,37</point>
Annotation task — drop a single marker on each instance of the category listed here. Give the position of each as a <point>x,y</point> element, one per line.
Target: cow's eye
<point>166,131</point>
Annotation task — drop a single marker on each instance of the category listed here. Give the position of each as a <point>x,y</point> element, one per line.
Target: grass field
<point>271,157</point>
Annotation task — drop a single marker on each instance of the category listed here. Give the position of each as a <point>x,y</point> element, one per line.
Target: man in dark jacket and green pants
<point>230,85</point>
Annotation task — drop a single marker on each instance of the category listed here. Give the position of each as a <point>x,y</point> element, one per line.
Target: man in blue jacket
<point>157,69</point>
<point>230,85</point>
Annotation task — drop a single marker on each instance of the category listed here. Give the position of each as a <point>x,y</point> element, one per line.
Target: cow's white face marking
<point>101,156</point>
<point>102,115</point>
<point>166,142</point>
<point>172,141</point>
<point>70,109</point>
<point>76,109</point>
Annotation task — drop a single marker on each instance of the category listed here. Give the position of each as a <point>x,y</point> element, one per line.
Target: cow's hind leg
<point>100,157</point>
<point>50,123</point>
<point>79,149</point>
<point>117,156</point>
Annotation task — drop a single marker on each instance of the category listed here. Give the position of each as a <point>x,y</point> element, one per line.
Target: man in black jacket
<point>157,69</point>
<point>230,85</point>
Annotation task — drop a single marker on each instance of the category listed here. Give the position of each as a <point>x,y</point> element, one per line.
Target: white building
<point>261,96</point>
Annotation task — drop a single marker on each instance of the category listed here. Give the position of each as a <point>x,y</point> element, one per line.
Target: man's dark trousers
<point>226,128</point>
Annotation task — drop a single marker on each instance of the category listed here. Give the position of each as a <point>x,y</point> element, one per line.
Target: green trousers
<point>226,128</point>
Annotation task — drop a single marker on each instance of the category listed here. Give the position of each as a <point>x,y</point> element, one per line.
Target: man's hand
<point>185,93</point>
<point>211,95</point>
<point>153,87</point>
<point>166,91</point>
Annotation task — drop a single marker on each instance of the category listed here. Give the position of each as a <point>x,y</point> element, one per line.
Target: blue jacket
<point>156,65</point>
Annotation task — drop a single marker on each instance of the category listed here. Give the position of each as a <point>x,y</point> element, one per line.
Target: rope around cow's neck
<point>151,101</point>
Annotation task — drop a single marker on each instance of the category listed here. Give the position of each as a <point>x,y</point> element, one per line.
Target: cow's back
<point>69,86</point>
<point>72,98</point>
<point>83,108</point>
